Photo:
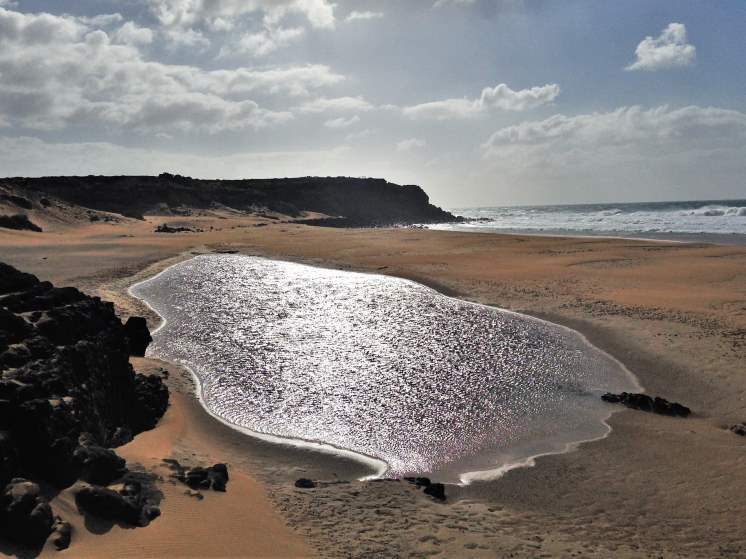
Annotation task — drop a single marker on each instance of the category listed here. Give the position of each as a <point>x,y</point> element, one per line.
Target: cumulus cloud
<point>663,142</point>
<point>185,37</point>
<point>264,42</point>
<point>58,71</point>
<point>100,20</point>
<point>410,144</point>
<point>337,104</point>
<point>668,50</point>
<point>441,3</point>
<point>342,122</point>
<point>500,97</point>
<point>190,13</point>
<point>627,125</point>
<point>132,34</point>
<point>630,153</point>
<point>358,16</point>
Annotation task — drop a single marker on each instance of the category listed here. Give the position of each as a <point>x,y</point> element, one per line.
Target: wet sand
<point>674,314</point>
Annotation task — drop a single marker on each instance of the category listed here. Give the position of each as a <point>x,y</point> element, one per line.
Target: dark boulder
<point>25,516</point>
<point>738,429</point>
<point>107,504</point>
<point>419,481</point>
<point>304,483</point>
<point>218,476</point>
<point>435,490</point>
<point>99,465</point>
<point>121,436</point>
<point>11,280</point>
<point>151,402</point>
<point>61,534</point>
<point>644,402</point>
<point>136,330</point>
<point>136,504</point>
<point>197,478</point>
<point>9,460</point>
<point>214,477</point>
<point>20,222</point>
<point>166,228</point>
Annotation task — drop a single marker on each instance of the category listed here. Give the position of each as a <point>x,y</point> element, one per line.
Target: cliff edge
<point>355,201</point>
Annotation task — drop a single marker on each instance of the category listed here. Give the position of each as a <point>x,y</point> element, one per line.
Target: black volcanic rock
<point>61,534</point>
<point>135,504</point>
<point>166,228</point>
<point>99,465</point>
<point>151,402</point>
<point>435,490</point>
<point>644,402</point>
<point>20,222</point>
<point>25,516</point>
<point>738,429</point>
<point>106,503</point>
<point>214,477</point>
<point>136,329</point>
<point>362,202</point>
<point>64,371</point>
<point>19,201</point>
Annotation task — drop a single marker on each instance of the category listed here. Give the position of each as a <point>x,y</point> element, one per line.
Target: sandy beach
<point>673,313</point>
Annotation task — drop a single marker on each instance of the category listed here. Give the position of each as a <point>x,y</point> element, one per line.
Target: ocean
<point>381,368</point>
<point>718,220</point>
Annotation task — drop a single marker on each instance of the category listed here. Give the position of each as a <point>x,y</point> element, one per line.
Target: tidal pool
<point>383,367</point>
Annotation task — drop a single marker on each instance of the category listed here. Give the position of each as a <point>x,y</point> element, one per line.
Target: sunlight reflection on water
<point>378,365</point>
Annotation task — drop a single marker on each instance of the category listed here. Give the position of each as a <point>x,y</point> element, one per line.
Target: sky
<point>480,102</point>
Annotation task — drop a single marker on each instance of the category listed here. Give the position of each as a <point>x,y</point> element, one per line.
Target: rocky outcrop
<point>361,202</point>
<point>738,429</point>
<point>64,366</point>
<point>20,222</point>
<point>130,505</point>
<point>138,335</point>
<point>213,477</point>
<point>435,490</point>
<point>62,534</point>
<point>68,394</point>
<point>644,402</point>
<point>25,516</point>
<point>99,465</point>
<point>19,201</point>
<point>151,399</point>
<point>166,228</point>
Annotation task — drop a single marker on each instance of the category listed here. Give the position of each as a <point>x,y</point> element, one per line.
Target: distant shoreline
<point>721,222</point>
<point>708,238</point>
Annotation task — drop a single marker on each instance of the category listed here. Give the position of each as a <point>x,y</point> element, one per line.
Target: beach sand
<point>674,314</point>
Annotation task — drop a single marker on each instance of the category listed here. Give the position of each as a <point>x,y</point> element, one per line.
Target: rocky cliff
<point>358,201</point>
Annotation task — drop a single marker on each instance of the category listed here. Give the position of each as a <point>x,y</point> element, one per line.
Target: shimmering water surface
<point>377,365</point>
